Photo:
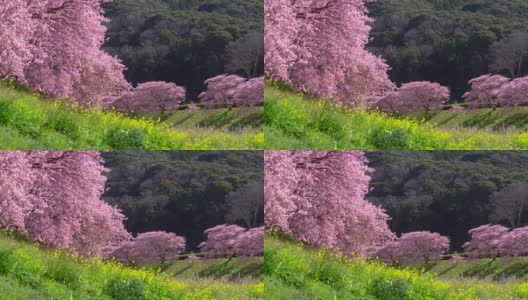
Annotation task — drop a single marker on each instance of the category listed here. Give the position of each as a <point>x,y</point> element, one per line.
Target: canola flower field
<point>294,271</point>
<point>27,271</point>
<point>294,122</point>
<point>27,121</point>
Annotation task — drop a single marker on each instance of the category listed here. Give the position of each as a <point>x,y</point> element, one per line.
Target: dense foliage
<point>450,192</point>
<point>186,41</point>
<point>185,192</point>
<point>450,41</point>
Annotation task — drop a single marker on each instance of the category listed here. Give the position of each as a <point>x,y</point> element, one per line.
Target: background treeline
<point>448,192</point>
<point>183,41</point>
<point>186,192</point>
<point>448,41</point>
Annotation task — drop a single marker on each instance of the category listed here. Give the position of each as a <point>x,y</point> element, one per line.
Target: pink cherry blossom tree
<point>250,93</point>
<point>514,93</point>
<point>281,31</point>
<point>55,47</point>
<point>16,200</point>
<point>319,197</point>
<point>221,90</point>
<point>413,247</point>
<point>484,91</point>
<point>58,196</point>
<point>485,240</point>
<point>17,28</point>
<point>422,246</point>
<point>148,247</point>
<point>389,252</point>
<point>232,90</point>
<point>221,241</point>
<point>319,47</point>
<point>514,243</point>
<point>414,96</point>
<point>250,243</point>
<point>155,96</point>
<point>157,246</point>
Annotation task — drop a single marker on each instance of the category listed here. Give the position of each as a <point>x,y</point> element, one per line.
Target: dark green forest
<point>186,192</point>
<point>449,41</point>
<point>184,41</point>
<point>447,191</point>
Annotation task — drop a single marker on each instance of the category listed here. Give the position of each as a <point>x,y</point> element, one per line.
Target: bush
<point>389,288</point>
<point>123,288</point>
<point>390,139</point>
<point>123,138</point>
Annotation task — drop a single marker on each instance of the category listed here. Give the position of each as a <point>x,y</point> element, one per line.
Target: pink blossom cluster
<point>496,240</point>
<point>55,197</point>
<point>318,46</point>
<point>319,197</point>
<point>413,247</point>
<point>232,90</point>
<point>148,247</point>
<point>54,46</point>
<point>484,241</point>
<point>490,91</point>
<point>414,96</point>
<point>233,240</point>
<point>148,97</point>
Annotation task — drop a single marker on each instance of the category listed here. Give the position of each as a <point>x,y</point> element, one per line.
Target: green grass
<point>499,269</point>
<point>228,269</point>
<point>220,118</point>
<point>29,272</point>
<point>28,121</point>
<point>296,272</point>
<point>489,119</point>
<point>293,122</point>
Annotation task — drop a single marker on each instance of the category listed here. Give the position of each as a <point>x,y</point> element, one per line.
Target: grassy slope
<point>489,119</point>
<point>27,122</point>
<point>296,272</point>
<point>27,272</point>
<point>221,118</point>
<point>515,268</point>
<point>236,269</point>
<point>292,122</point>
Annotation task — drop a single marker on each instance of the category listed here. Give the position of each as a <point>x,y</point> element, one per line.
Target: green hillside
<point>295,122</point>
<point>490,119</point>
<point>28,121</point>
<point>243,269</point>
<point>221,118</point>
<point>28,271</point>
<point>296,272</point>
<point>500,269</point>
